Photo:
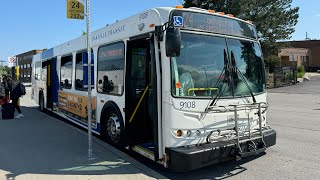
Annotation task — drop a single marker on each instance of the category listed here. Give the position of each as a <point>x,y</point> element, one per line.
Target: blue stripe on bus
<point>55,81</point>
<point>47,54</point>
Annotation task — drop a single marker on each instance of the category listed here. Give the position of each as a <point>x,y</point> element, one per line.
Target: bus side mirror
<point>173,42</point>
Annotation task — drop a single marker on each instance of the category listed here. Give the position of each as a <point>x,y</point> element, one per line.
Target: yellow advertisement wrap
<point>75,9</point>
<point>76,106</point>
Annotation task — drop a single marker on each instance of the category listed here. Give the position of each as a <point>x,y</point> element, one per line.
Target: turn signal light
<point>179,7</point>
<point>211,11</point>
<point>221,13</point>
<point>151,25</point>
<point>179,133</point>
<point>178,85</point>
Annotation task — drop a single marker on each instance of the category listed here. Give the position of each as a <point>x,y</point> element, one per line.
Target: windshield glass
<point>248,59</point>
<point>196,71</point>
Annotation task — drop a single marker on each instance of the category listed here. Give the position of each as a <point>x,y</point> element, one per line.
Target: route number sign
<point>75,9</point>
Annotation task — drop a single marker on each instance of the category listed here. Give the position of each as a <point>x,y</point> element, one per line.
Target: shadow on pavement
<point>217,171</point>
<point>38,144</point>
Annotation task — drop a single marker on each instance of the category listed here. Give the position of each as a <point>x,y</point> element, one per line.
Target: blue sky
<point>38,24</point>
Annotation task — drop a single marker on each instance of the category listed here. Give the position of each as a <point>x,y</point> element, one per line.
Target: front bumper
<point>189,158</point>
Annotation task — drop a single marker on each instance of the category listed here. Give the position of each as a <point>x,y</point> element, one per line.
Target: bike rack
<point>241,137</point>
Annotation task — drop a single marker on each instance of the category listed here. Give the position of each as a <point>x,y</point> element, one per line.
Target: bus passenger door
<point>139,75</point>
<point>49,85</point>
<point>50,78</point>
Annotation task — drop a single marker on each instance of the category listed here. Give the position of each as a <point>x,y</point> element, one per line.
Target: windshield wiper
<point>225,74</point>
<point>235,70</point>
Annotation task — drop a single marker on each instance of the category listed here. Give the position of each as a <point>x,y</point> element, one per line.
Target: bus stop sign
<point>75,9</point>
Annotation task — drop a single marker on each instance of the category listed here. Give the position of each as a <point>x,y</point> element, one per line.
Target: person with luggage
<point>4,91</point>
<point>14,87</point>
<point>15,94</point>
<point>7,108</point>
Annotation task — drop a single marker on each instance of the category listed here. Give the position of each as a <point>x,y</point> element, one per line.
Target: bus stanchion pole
<point>89,109</point>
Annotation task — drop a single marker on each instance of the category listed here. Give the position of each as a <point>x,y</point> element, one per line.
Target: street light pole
<point>89,109</point>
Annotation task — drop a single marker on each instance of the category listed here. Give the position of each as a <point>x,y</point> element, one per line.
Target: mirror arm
<point>159,33</point>
<point>159,30</point>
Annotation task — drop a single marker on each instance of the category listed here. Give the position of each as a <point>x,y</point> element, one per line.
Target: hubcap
<point>113,128</point>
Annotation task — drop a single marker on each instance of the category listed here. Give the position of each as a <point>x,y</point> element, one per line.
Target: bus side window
<point>37,71</point>
<point>79,72</point>
<point>66,72</point>
<point>111,69</point>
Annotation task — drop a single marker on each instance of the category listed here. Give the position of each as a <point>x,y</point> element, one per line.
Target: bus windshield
<point>196,71</point>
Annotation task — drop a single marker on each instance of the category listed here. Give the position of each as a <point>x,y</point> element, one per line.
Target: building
<point>306,53</point>
<point>23,61</point>
<point>294,57</point>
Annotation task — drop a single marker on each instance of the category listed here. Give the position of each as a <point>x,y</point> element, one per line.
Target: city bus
<point>184,87</point>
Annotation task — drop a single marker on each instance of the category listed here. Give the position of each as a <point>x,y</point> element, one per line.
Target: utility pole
<point>89,82</point>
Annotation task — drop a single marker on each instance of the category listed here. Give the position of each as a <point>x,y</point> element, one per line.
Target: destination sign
<point>115,51</point>
<point>215,24</point>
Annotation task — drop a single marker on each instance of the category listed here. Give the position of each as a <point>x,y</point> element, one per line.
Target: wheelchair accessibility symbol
<point>177,21</point>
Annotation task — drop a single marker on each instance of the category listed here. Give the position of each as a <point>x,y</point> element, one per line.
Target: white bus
<point>185,87</point>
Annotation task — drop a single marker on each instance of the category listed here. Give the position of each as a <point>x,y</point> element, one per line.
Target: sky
<point>39,24</point>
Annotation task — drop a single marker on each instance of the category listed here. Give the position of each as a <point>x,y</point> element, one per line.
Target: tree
<point>274,19</point>
<point>5,70</point>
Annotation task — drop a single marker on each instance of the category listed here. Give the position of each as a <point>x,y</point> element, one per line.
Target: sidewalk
<point>39,146</point>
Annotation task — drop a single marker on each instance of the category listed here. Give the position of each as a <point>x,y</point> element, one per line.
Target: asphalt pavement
<point>294,112</point>
<point>39,146</point>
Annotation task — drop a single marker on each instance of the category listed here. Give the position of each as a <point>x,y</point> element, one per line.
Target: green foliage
<point>272,62</point>
<point>274,19</point>
<point>5,70</point>
<point>300,69</point>
<point>300,74</point>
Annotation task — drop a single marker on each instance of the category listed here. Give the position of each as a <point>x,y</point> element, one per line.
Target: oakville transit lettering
<point>109,33</point>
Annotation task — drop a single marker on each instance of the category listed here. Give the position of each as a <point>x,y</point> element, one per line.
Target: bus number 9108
<point>187,104</point>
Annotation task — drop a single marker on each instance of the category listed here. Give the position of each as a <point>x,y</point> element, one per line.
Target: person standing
<point>15,95</point>
<point>4,82</point>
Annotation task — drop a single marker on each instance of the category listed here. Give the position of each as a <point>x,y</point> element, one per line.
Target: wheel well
<point>106,107</point>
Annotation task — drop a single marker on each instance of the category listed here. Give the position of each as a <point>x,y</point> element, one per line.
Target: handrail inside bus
<point>201,89</point>
<point>138,105</point>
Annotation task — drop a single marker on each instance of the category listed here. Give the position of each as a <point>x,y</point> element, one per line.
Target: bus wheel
<point>113,130</point>
<point>41,103</point>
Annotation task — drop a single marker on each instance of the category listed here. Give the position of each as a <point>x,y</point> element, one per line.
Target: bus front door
<point>140,93</point>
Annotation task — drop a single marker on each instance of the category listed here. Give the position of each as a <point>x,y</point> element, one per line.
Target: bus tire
<point>41,102</point>
<point>112,125</point>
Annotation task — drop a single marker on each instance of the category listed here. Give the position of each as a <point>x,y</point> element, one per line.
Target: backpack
<point>22,89</point>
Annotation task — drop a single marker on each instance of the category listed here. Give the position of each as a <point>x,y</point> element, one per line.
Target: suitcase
<point>7,111</point>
